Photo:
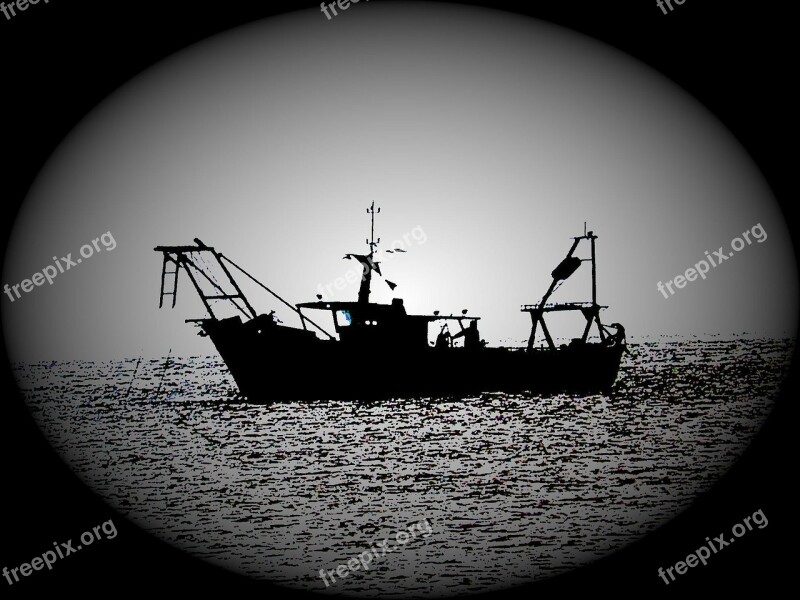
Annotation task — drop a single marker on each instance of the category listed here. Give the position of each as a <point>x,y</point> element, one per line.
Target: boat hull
<point>272,363</point>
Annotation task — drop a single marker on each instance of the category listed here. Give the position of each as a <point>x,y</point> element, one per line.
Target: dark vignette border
<point>61,59</point>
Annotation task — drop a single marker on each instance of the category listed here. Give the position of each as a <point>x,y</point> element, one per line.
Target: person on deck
<point>443,339</point>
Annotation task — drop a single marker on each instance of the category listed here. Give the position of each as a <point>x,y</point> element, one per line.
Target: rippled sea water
<point>515,488</point>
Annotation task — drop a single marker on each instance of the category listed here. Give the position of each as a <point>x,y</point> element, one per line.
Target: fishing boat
<point>379,351</point>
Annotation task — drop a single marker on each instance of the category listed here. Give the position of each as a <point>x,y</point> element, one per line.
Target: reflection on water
<point>515,487</point>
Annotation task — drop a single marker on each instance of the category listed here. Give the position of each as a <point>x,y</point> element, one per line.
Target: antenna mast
<point>366,261</point>
<point>371,242</point>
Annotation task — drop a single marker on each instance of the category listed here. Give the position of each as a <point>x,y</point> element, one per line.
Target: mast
<point>367,261</point>
<point>371,242</point>
<point>593,237</point>
<point>591,311</point>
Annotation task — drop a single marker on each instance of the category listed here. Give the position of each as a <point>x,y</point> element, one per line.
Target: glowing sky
<point>495,135</point>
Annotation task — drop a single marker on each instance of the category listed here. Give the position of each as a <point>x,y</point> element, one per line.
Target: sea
<point>512,488</point>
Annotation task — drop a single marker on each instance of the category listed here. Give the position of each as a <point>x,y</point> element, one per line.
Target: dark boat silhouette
<point>381,351</point>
